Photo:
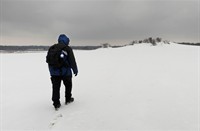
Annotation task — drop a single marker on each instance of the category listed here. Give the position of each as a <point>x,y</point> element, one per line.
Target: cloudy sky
<point>93,22</point>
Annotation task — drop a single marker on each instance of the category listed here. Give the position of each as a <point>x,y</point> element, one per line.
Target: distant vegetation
<point>150,40</point>
<point>23,48</point>
<point>40,48</point>
<point>186,43</point>
<point>155,41</point>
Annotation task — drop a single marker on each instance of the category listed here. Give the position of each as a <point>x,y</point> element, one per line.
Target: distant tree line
<point>23,48</point>
<point>187,43</point>
<point>41,48</point>
<point>150,40</point>
<point>155,41</point>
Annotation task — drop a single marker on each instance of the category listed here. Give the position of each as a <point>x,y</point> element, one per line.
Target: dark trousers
<point>56,83</point>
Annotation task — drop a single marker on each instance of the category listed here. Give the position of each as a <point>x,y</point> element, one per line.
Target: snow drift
<point>138,87</point>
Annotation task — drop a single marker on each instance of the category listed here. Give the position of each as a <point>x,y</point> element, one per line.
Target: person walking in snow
<point>61,63</point>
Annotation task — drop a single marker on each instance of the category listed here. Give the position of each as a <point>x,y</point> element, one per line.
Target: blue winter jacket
<point>63,42</point>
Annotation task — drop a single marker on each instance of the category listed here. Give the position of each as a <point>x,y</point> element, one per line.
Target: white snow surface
<point>138,87</point>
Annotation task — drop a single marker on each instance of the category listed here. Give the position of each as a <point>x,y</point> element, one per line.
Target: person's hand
<point>75,74</point>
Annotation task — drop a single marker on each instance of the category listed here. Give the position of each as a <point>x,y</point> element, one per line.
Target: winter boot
<point>67,101</point>
<point>57,106</point>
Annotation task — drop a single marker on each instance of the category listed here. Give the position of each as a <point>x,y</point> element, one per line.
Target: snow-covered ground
<point>138,87</point>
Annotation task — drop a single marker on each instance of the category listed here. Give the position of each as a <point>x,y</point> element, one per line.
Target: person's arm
<point>72,61</point>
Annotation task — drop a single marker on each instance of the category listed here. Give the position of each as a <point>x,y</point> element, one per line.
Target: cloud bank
<point>94,22</point>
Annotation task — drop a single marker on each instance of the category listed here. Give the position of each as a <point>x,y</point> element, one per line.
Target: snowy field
<point>138,87</point>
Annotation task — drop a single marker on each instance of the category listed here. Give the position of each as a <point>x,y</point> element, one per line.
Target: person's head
<point>63,39</point>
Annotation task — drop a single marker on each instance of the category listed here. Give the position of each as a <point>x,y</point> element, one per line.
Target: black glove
<point>76,73</point>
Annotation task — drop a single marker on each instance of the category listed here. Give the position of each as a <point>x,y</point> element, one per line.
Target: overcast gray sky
<point>93,22</point>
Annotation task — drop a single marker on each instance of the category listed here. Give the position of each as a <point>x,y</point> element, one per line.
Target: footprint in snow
<point>55,120</point>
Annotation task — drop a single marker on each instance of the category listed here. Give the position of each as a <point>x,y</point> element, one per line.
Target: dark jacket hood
<point>63,39</point>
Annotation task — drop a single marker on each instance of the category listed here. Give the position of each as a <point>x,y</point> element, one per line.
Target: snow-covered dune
<point>138,87</point>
